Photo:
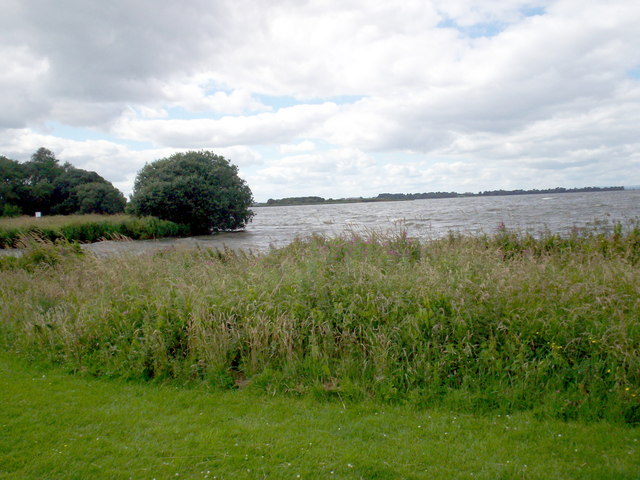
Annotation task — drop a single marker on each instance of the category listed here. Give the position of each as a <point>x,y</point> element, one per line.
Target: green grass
<point>61,426</point>
<point>484,325</point>
<point>14,232</point>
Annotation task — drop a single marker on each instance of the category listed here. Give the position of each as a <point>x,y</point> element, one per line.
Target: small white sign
<point>38,214</point>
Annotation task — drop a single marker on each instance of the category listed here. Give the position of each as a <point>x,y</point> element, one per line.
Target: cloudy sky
<point>332,98</point>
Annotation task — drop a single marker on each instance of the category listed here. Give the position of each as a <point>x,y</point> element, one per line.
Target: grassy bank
<point>68,427</point>
<point>487,324</point>
<point>85,228</point>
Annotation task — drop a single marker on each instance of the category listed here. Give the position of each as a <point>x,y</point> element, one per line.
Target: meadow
<point>364,356</point>
<point>498,324</point>
<point>84,228</point>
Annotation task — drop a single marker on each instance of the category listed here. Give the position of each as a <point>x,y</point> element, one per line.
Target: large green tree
<point>69,192</point>
<point>43,167</point>
<point>43,185</point>
<point>100,197</point>
<point>199,189</point>
<point>41,171</point>
<point>12,184</point>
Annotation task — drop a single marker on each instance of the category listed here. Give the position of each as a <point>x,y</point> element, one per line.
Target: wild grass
<point>61,426</point>
<point>85,228</point>
<point>498,323</point>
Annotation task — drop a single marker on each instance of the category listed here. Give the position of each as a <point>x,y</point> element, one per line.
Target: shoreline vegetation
<point>396,197</point>
<point>17,232</point>
<point>488,324</point>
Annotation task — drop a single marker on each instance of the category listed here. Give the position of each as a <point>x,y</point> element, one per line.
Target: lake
<point>424,219</point>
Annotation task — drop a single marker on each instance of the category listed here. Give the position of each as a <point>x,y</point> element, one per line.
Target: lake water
<point>424,219</point>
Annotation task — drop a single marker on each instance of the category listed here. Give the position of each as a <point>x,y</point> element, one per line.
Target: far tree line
<point>43,185</point>
<point>492,193</point>
<point>387,197</point>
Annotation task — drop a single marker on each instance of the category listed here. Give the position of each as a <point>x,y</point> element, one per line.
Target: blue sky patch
<point>532,11</point>
<point>634,72</point>
<point>180,113</point>
<point>478,30</point>
<point>282,101</point>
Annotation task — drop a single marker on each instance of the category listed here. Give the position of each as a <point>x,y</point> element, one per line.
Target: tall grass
<point>85,228</point>
<point>508,322</point>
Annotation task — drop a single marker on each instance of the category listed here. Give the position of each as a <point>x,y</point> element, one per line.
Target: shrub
<point>199,189</point>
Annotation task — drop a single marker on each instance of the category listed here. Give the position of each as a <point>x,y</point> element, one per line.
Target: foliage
<point>387,197</point>
<point>43,167</point>
<point>200,189</point>
<point>43,185</point>
<point>296,201</point>
<point>85,228</point>
<point>479,324</point>
<point>11,211</point>
<point>39,253</point>
<point>99,197</point>
<point>65,194</point>
<point>11,179</point>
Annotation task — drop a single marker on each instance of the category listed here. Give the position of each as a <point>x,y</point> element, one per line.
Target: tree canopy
<point>196,188</point>
<point>43,185</point>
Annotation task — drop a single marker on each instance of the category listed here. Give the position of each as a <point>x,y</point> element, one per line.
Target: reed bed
<point>491,323</point>
<point>85,228</point>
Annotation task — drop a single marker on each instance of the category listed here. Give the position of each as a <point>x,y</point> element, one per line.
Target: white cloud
<point>336,172</point>
<point>271,127</point>
<point>192,95</point>
<point>331,98</point>
<point>467,13</point>
<point>151,112</point>
<point>304,146</point>
<point>20,100</point>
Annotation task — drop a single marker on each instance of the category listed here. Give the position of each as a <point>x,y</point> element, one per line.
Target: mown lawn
<point>59,426</point>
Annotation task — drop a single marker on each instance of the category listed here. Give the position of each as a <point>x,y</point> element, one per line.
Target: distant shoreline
<point>400,197</point>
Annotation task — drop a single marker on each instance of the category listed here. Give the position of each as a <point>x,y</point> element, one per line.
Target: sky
<point>335,98</point>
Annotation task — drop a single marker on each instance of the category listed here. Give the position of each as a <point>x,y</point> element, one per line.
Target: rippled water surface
<point>425,219</point>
